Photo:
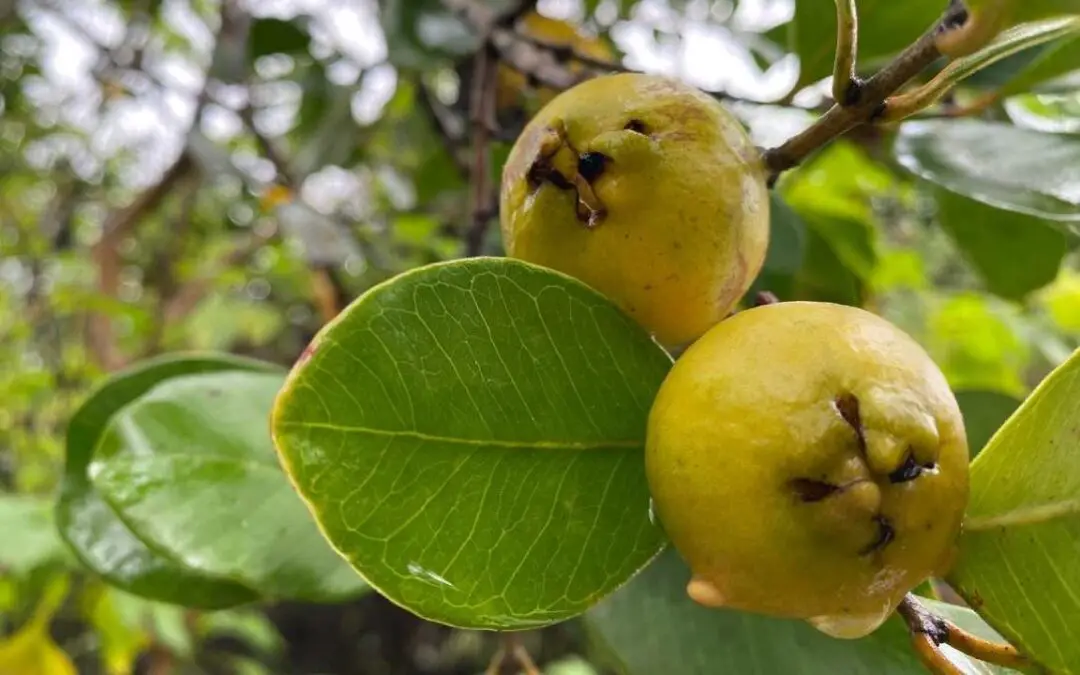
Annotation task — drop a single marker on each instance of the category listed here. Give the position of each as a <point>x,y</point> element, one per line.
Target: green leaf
<point>784,258</point>
<point>30,539</point>
<point>824,276</point>
<point>470,436</point>
<point>984,413</point>
<point>1014,253</point>
<point>651,626</point>
<point>997,164</point>
<point>203,439</point>
<point>1018,565</point>
<point>1055,60</point>
<point>974,340</point>
<point>885,27</point>
<point>96,534</point>
<point>276,36</point>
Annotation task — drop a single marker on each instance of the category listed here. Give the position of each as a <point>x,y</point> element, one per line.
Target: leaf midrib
<point>1033,514</point>
<point>433,438</point>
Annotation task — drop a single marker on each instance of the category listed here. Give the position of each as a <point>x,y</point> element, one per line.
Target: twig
<point>904,105</point>
<point>482,121</point>
<point>929,632</point>
<point>869,106</point>
<point>106,255</point>
<point>511,650</point>
<point>845,85</point>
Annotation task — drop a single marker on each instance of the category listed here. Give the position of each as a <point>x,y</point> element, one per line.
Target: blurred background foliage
<point>223,175</point>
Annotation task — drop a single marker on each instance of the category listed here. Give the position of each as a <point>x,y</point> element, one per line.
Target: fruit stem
<point>512,651</point>
<point>929,632</point>
<point>871,104</point>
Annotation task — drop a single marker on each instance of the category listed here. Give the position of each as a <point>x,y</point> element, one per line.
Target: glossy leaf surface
<point>470,436</point>
<point>1018,565</point>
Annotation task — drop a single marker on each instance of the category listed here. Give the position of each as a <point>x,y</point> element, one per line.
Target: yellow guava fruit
<point>808,460</point>
<point>512,85</point>
<point>646,189</point>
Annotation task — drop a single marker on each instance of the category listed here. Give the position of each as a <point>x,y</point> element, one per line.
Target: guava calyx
<point>584,167</point>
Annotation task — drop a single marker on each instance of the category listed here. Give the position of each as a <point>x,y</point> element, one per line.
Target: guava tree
<point>546,332</point>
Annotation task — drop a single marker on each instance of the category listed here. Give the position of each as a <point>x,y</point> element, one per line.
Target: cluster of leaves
<point>521,502</point>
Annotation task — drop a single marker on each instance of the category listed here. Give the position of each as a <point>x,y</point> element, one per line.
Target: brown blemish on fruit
<point>885,534</point>
<point>810,490</point>
<point>848,407</point>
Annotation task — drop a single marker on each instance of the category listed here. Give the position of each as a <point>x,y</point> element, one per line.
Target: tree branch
<point>869,105</point>
<point>482,121</point>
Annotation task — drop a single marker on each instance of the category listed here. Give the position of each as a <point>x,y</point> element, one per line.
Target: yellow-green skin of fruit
<point>750,424</point>
<point>686,208</point>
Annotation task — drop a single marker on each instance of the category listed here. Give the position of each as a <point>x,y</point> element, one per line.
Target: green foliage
<point>93,528</point>
<point>1017,566</point>
<point>1013,252</point>
<point>652,627</point>
<point>188,431</point>
<point>998,164</point>
<point>984,413</point>
<point>478,456</point>
<point>275,36</point>
<point>492,474</point>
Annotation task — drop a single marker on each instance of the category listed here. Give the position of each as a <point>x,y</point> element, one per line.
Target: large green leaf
<point>650,626</point>
<point>1013,252</point>
<point>1018,565</point>
<point>470,436</point>
<point>984,413</point>
<point>885,27</point>
<point>93,530</point>
<point>204,440</point>
<point>998,164</point>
